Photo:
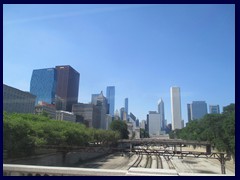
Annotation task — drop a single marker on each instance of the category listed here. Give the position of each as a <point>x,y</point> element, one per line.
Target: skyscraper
<point>67,87</point>
<point>162,115</point>
<point>102,104</point>
<point>154,123</point>
<point>214,109</point>
<point>189,112</point>
<point>126,106</point>
<point>111,99</point>
<point>122,111</point>
<point>43,85</point>
<point>176,108</point>
<point>147,124</point>
<point>198,109</point>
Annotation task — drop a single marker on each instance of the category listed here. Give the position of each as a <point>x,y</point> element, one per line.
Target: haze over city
<point>142,50</point>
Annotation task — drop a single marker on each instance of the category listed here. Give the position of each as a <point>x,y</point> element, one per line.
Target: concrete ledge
<point>162,172</point>
<point>203,174</point>
<point>59,171</point>
<point>24,170</point>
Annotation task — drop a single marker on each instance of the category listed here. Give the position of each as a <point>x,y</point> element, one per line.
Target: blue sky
<point>142,50</point>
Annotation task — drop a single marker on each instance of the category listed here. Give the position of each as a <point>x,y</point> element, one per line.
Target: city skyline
<point>142,50</point>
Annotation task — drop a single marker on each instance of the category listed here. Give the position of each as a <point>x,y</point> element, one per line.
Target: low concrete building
<point>50,109</point>
<point>17,101</point>
<point>137,133</point>
<point>65,115</point>
<point>130,129</point>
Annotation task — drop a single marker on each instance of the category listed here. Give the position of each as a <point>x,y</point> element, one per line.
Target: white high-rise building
<point>176,108</point>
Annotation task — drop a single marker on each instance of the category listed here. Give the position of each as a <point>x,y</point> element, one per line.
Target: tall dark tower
<point>67,87</point>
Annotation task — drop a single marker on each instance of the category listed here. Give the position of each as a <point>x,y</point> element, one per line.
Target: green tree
<point>18,137</point>
<point>121,127</point>
<point>23,133</point>
<point>219,129</point>
<point>229,128</point>
<point>45,114</point>
<point>143,133</point>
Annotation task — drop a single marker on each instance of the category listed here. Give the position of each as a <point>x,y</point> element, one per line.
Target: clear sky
<point>142,50</point>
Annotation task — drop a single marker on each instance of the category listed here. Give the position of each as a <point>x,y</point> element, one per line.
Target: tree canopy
<point>120,127</point>
<point>23,133</point>
<point>219,129</point>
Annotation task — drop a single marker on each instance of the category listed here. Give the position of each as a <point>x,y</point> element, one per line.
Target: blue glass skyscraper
<point>198,109</point>
<point>111,99</point>
<point>43,85</point>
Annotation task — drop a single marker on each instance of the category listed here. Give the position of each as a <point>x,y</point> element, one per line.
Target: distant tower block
<point>176,108</point>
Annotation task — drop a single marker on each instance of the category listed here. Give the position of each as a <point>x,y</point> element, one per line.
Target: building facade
<point>154,124</point>
<point>102,105</point>
<point>43,85</point>
<point>176,108</point>
<point>67,87</point>
<point>137,133</point>
<point>50,109</point>
<point>214,109</point>
<point>94,98</point>
<point>132,119</point>
<point>198,109</point>
<point>17,101</point>
<point>110,94</point>
<point>122,111</point>
<point>162,114</point>
<point>137,123</point>
<point>108,121</point>
<point>182,123</point>
<point>189,112</point>
<point>147,123</point>
<point>65,116</point>
<point>89,113</point>
<point>143,124</point>
<point>126,106</point>
<point>130,130</point>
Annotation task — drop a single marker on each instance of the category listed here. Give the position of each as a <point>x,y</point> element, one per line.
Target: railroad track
<point>170,164</point>
<point>149,161</point>
<point>138,161</point>
<point>159,162</point>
